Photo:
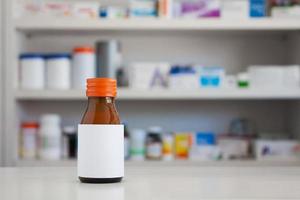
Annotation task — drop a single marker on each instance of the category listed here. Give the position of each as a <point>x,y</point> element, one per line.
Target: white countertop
<point>159,182</point>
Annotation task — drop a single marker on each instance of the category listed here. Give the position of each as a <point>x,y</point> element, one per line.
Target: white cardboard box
<point>277,150</point>
<point>148,75</point>
<point>235,9</point>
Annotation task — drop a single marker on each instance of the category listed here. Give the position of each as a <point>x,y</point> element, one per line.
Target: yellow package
<point>182,145</point>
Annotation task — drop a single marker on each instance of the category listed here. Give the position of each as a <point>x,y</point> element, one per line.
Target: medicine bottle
<point>154,144</point>
<point>100,135</point>
<point>28,140</point>
<point>58,68</point>
<point>168,147</point>
<point>32,71</point>
<point>50,137</point>
<point>84,66</point>
<point>137,144</point>
<point>69,142</point>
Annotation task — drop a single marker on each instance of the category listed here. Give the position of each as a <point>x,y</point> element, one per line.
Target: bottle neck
<point>95,103</point>
<point>101,110</point>
<point>100,100</point>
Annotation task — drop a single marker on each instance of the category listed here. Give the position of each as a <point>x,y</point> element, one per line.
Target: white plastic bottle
<point>84,66</point>
<point>58,71</point>
<point>50,137</point>
<point>137,144</point>
<point>32,71</point>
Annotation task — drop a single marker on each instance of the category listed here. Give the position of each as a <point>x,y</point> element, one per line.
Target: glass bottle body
<point>101,111</point>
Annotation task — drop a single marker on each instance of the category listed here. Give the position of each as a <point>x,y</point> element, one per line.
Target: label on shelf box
<point>154,150</point>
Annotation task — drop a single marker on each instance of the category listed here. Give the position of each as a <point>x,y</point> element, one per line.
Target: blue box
<point>204,138</point>
<point>258,8</point>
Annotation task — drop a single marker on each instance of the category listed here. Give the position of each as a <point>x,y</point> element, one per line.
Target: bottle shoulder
<point>101,113</point>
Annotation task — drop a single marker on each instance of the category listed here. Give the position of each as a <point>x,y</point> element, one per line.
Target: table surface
<point>153,182</point>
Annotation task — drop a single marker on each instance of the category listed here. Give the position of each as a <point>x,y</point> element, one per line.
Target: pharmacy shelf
<point>36,24</point>
<point>44,163</point>
<point>200,94</point>
<point>239,163</point>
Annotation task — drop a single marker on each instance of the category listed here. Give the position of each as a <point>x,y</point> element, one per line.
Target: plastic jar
<point>154,143</point>
<point>58,71</point>
<point>137,144</point>
<point>28,142</point>
<point>84,66</point>
<point>100,135</point>
<point>32,68</point>
<point>50,137</point>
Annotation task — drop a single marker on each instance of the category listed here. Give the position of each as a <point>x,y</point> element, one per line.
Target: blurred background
<point>213,82</point>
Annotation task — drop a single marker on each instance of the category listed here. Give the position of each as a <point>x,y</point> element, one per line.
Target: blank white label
<point>100,151</point>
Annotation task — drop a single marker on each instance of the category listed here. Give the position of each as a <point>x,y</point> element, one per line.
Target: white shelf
<point>44,163</point>
<point>239,163</point>
<point>201,94</point>
<point>38,23</point>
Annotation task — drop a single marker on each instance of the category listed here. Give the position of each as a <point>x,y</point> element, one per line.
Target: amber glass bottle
<point>100,135</point>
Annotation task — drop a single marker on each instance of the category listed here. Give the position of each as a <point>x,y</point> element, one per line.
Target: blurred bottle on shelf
<point>154,143</point>
<point>109,58</point>
<point>126,143</point>
<point>69,142</point>
<point>137,144</point>
<point>58,68</point>
<point>84,66</point>
<point>50,137</point>
<point>32,71</point>
<point>168,147</point>
<point>28,140</point>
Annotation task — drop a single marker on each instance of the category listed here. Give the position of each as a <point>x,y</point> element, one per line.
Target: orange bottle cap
<point>84,49</point>
<point>30,125</point>
<point>101,87</point>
